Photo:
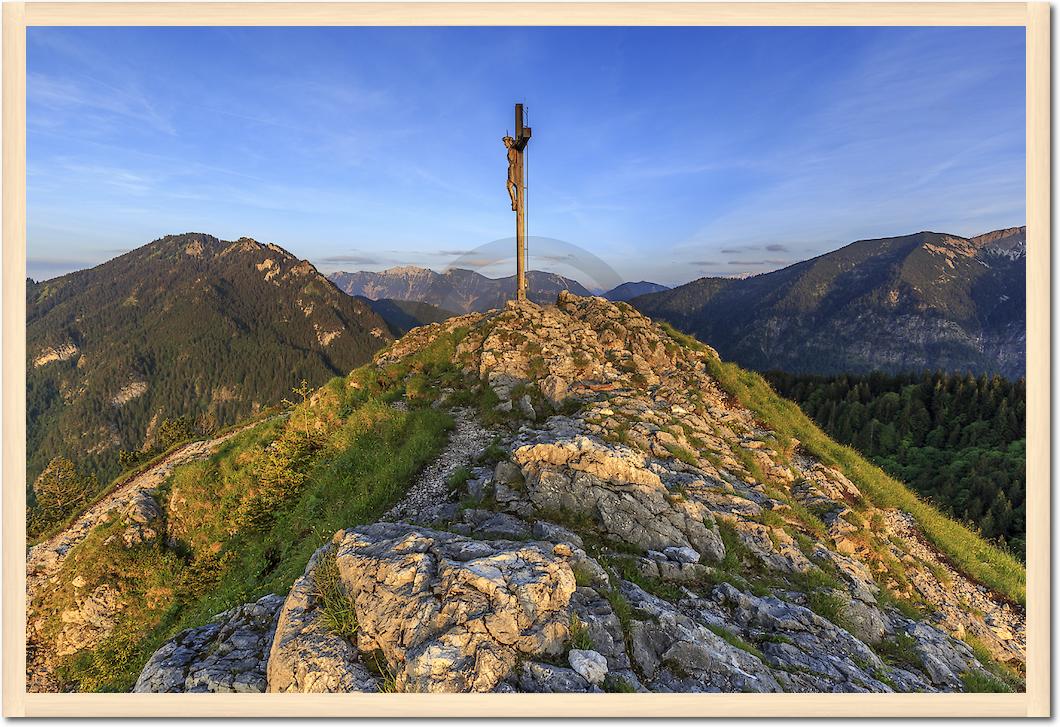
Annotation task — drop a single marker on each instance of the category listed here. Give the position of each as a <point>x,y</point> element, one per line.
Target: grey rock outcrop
<point>445,612</point>
<point>306,655</point>
<point>226,655</point>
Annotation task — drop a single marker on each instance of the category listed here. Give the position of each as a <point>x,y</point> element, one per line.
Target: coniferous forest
<point>956,439</point>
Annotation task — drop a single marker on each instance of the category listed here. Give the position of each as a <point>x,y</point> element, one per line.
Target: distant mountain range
<point>190,325</point>
<point>186,325</point>
<point>923,301</point>
<point>625,291</point>
<point>456,290</point>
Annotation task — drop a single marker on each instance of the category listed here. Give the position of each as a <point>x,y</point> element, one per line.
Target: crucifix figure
<point>516,150</point>
<point>513,170</point>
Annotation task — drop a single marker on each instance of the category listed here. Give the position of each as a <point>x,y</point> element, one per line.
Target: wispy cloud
<point>355,259</point>
<point>81,93</point>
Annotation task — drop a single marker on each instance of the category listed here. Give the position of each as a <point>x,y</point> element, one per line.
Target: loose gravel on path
<point>466,442</point>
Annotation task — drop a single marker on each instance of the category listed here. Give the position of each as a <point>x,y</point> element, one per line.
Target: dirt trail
<point>45,559</point>
<point>467,440</point>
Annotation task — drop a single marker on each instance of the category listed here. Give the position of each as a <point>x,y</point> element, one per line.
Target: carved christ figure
<point>513,169</point>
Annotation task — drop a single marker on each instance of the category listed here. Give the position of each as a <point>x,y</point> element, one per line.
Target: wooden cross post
<point>522,136</point>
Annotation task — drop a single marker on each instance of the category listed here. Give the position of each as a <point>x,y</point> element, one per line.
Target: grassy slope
<point>966,549</point>
<point>368,454</point>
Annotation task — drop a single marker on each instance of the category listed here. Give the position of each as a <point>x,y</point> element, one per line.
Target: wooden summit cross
<point>517,191</point>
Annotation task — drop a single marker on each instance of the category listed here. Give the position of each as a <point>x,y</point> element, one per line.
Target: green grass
<point>336,607</point>
<point>367,454</point>
<point>899,651</point>
<point>493,453</point>
<point>978,681</point>
<point>829,605</point>
<point>377,664</point>
<point>582,576</point>
<point>734,640</point>
<point>617,685</point>
<point>458,479</point>
<point>1008,676</point>
<point>626,567</point>
<point>136,470</point>
<point>682,454</point>
<point>580,638</point>
<point>969,552</point>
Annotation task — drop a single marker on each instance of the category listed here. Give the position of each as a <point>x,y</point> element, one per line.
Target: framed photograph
<point>526,359</point>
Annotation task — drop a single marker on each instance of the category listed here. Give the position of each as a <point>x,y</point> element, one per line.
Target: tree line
<point>957,439</point>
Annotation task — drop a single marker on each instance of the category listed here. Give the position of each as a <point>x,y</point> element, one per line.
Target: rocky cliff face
<point>632,526</point>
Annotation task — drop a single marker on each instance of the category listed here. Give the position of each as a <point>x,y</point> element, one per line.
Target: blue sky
<point>670,153</point>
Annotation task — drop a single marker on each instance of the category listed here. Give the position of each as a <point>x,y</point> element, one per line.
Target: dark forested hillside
<point>402,316</point>
<point>185,327</point>
<point>918,302</point>
<point>957,440</point>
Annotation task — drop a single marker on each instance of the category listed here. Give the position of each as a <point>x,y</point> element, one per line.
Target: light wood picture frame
<point>1035,17</point>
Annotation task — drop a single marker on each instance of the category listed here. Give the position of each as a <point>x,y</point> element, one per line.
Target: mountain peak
<point>408,270</point>
<point>929,300</point>
<point>457,289</point>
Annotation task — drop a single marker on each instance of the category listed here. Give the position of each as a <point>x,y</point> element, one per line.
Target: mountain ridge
<point>921,301</point>
<point>173,329</point>
<point>457,289</point>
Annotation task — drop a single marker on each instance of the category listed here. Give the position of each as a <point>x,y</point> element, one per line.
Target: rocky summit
<point>617,511</point>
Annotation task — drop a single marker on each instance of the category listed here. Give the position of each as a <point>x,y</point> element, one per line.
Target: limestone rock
<point>449,613</point>
<point>306,656</point>
<point>539,677</point>
<point>590,665</point>
<point>614,487</point>
<point>226,655</point>
<point>90,621</point>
